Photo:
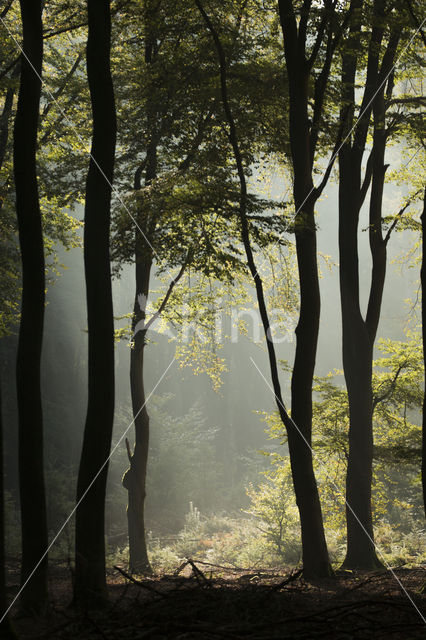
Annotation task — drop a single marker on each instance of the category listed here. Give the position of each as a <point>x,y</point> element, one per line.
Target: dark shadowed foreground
<point>206,601</point>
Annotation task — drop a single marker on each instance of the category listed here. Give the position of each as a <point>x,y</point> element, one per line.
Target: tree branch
<point>416,21</point>
<point>303,24</point>
<point>389,391</point>
<point>162,306</point>
<point>319,189</point>
<point>399,216</point>
<point>10,66</point>
<point>320,34</point>
<point>62,87</point>
<point>367,178</point>
<point>245,235</point>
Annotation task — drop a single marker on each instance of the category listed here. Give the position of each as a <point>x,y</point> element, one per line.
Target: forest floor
<point>207,601</point>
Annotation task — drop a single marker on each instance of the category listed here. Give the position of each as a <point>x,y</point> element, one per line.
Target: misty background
<point>204,443</point>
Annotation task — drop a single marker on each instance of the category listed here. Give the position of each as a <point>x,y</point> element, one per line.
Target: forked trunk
<point>315,555</point>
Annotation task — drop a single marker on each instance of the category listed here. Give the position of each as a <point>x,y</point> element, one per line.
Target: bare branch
<point>416,21</point>
<point>129,453</point>
<point>399,216</point>
<point>367,178</point>
<point>172,285</point>
<point>5,11</point>
<point>391,388</point>
<point>10,66</point>
<point>62,87</point>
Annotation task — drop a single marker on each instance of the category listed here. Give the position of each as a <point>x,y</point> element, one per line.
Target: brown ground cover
<point>206,601</point>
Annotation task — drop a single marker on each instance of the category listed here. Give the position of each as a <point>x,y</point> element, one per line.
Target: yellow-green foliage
<point>396,496</point>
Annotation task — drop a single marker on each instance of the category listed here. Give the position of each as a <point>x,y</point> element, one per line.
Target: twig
<point>139,583</point>
<point>291,578</point>
<point>199,574</point>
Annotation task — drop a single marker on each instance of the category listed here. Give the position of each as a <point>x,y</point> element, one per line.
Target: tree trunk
<point>315,554</point>
<point>32,491</point>
<point>423,283</point>
<point>134,479</point>
<point>357,365</point>
<point>90,581</point>
<point>358,333</point>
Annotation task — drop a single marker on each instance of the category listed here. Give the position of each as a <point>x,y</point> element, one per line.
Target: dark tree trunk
<point>6,630</point>
<point>358,333</point>
<point>357,365</point>
<point>90,580</point>
<point>302,141</point>
<point>315,555</point>
<point>423,283</point>
<point>134,479</point>
<point>32,491</point>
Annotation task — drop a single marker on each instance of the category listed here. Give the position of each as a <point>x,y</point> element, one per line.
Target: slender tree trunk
<point>315,554</point>
<point>359,334</point>
<point>134,479</point>
<point>6,630</point>
<point>90,581</point>
<point>32,491</point>
<point>357,365</point>
<point>423,283</point>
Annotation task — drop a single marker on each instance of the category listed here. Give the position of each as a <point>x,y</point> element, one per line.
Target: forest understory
<point>227,336</point>
<point>202,600</point>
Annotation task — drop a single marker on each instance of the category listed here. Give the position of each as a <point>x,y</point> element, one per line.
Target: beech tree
<point>308,64</point>
<point>32,492</point>
<point>359,332</point>
<point>313,565</point>
<point>90,580</point>
<point>181,200</point>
